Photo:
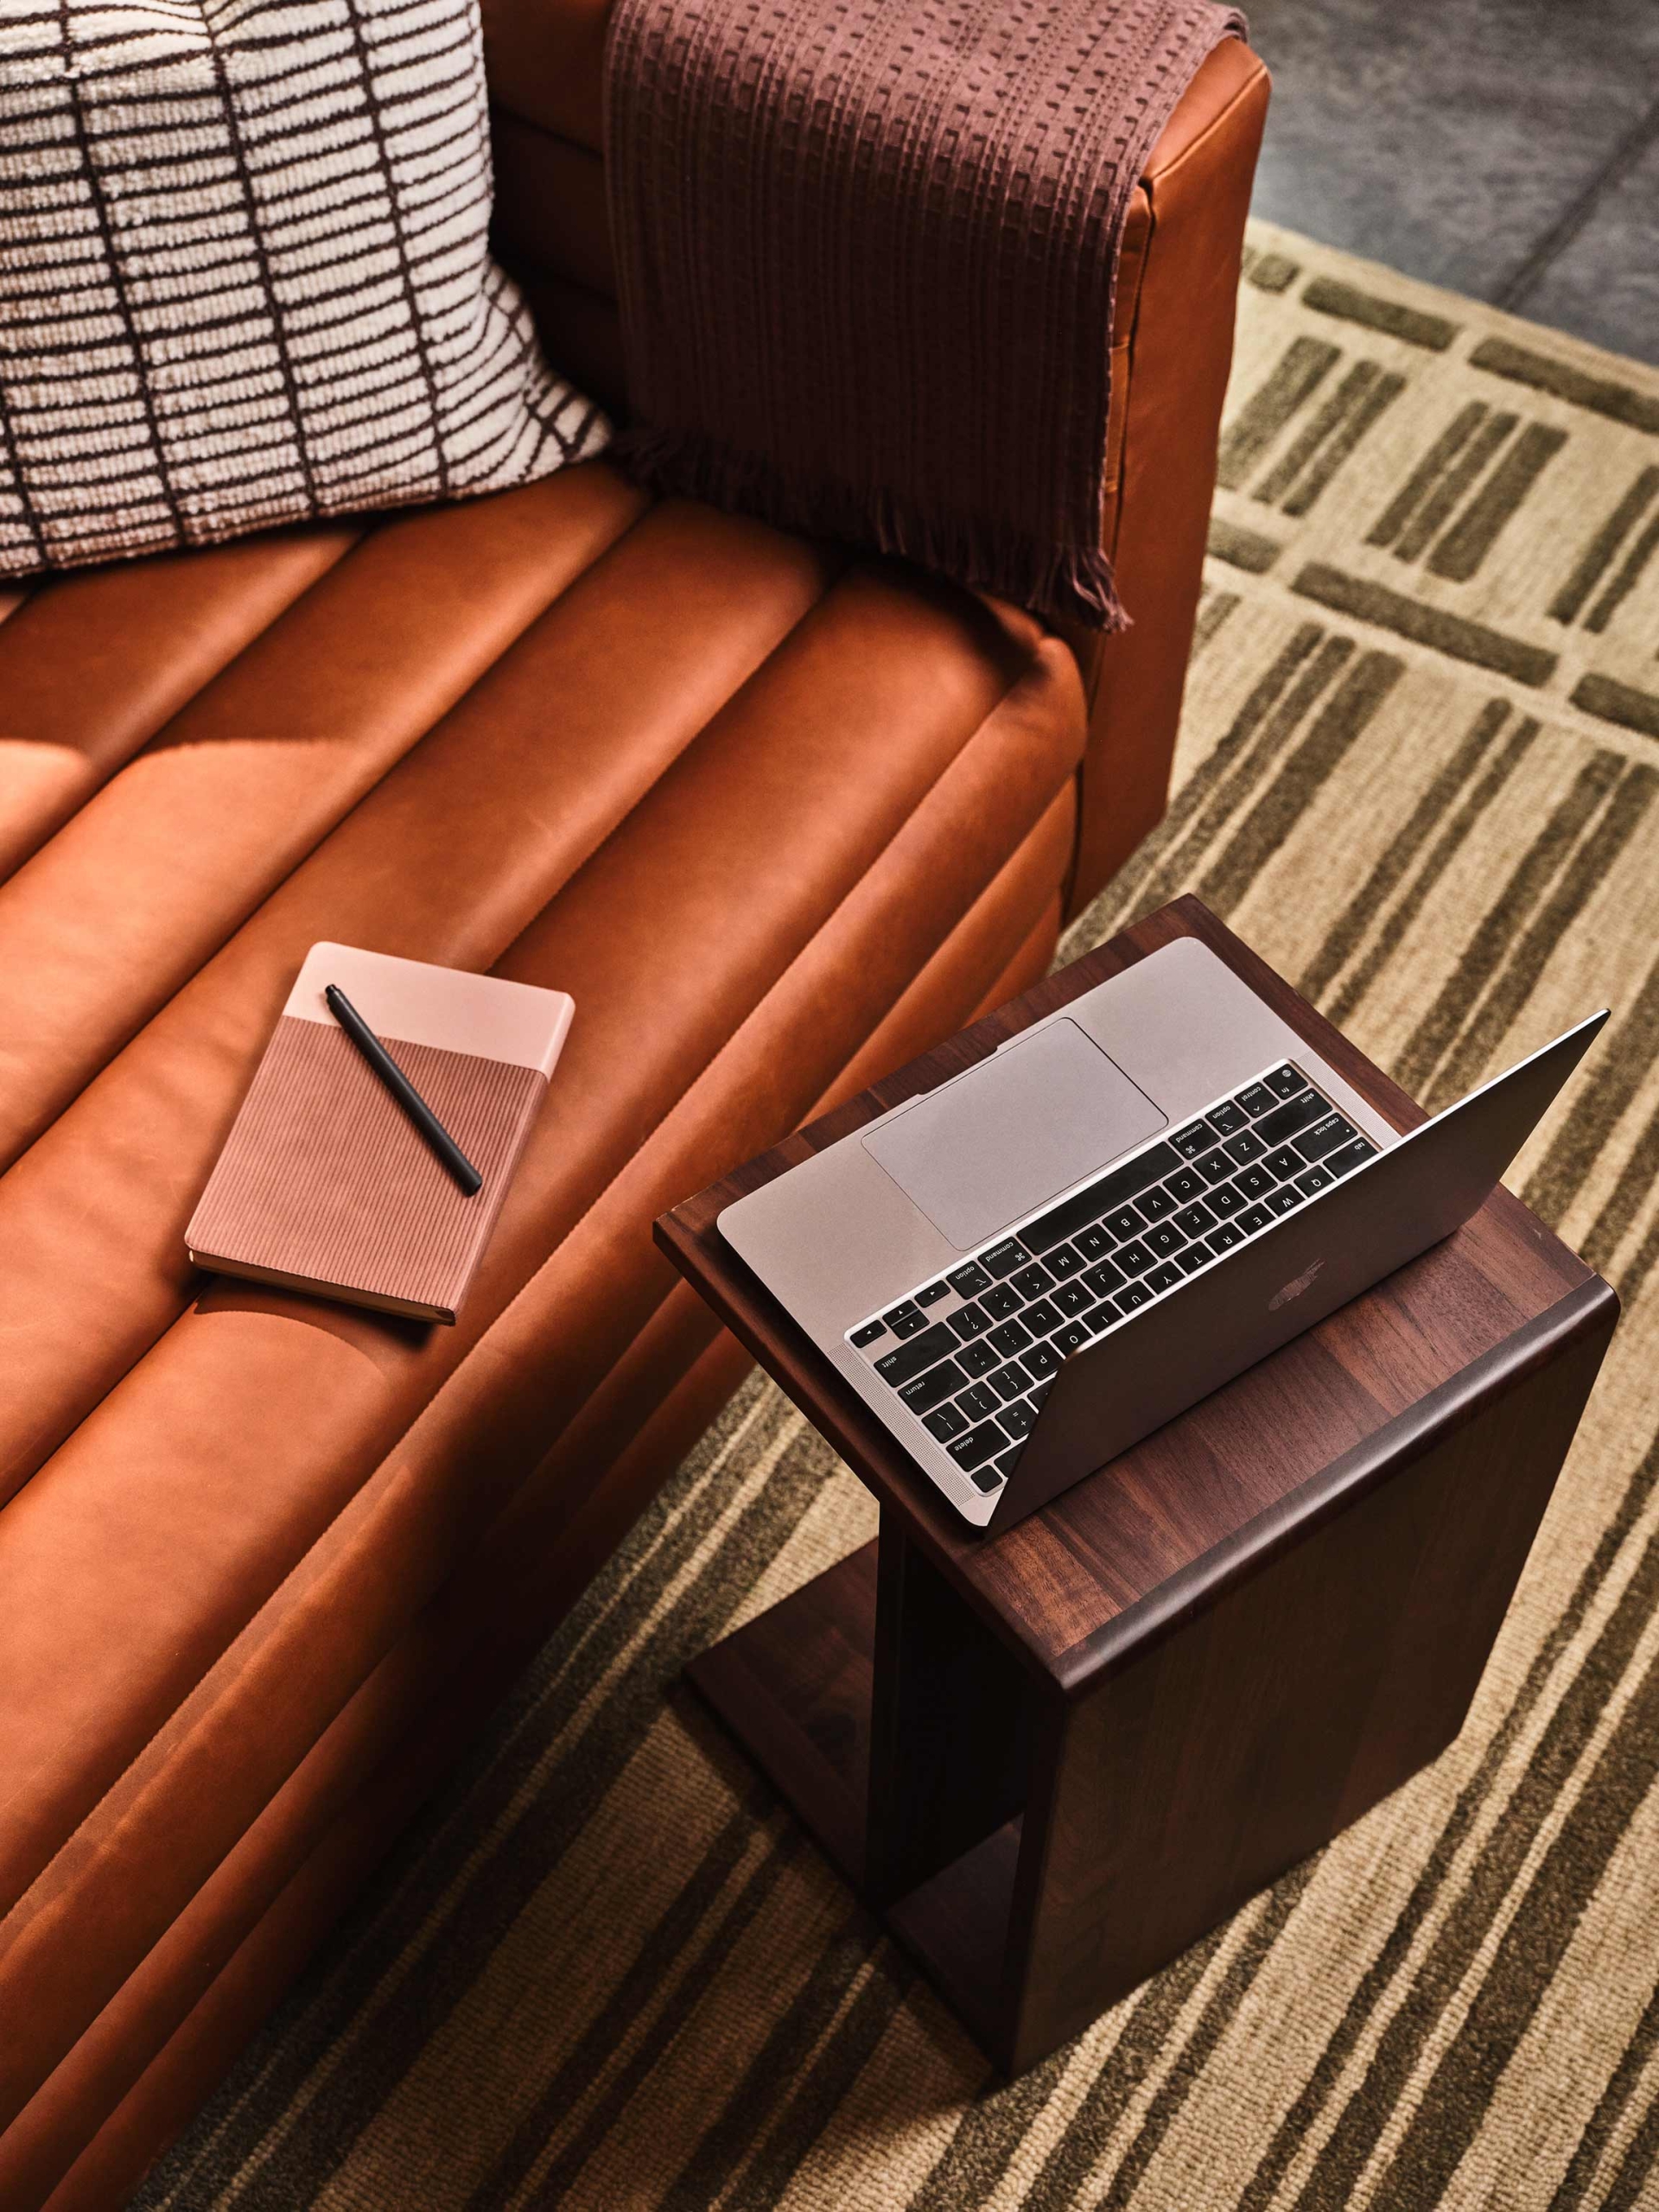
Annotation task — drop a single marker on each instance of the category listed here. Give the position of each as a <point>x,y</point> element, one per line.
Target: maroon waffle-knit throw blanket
<point>866,257</point>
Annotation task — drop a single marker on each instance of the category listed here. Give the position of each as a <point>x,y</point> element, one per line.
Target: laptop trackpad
<point>1021,1128</point>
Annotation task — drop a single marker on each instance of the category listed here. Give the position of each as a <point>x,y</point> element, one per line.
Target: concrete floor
<point>1508,149</point>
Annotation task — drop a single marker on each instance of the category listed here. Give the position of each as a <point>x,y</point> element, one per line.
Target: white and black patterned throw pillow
<point>244,274</point>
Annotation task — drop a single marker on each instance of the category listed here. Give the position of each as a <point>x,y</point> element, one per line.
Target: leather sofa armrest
<point>1172,342</point>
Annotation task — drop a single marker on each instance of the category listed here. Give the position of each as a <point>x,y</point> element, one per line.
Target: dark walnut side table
<point>1054,1758</point>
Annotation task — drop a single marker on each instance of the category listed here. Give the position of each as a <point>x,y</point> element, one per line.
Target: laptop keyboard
<point>973,1353</point>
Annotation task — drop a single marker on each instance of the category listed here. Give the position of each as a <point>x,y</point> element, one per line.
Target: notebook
<point>325,1184</point>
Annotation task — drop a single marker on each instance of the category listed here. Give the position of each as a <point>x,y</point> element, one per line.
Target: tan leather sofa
<point>777,819</point>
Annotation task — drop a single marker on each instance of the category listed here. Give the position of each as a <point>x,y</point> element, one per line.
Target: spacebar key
<point>920,1353</point>
<point>1075,1213</point>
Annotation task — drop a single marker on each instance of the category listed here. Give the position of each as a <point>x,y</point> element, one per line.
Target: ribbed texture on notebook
<point>324,1179</point>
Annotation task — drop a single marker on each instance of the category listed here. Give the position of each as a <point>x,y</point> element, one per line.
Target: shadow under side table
<point>1054,1758</point>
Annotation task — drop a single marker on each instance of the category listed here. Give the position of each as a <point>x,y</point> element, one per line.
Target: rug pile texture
<point>1420,773</point>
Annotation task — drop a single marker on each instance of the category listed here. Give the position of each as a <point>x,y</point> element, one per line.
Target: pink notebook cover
<point>325,1184</point>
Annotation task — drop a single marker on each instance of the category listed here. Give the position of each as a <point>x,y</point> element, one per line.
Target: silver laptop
<point>1028,1270</point>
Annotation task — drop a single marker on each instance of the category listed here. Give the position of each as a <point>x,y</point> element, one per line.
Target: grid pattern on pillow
<point>245,274</point>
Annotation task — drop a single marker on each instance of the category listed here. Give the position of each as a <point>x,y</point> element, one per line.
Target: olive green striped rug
<point>1420,773</point>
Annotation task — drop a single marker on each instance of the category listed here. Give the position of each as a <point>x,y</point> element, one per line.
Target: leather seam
<point>554,137</point>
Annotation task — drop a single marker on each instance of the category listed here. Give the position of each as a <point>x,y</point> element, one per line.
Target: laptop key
<point>898,1365</point>
<point>1164,1278</point>
<point>977,1447</point>
<point>1073,1298</point>
<point>1255,1099</point>
<point>1012,1337</point>
<point>1003,1467</point>
<point>869,1333</point>
<point>976,1401</point>
<point>969,1281</point>
<point>1063,1260</point>
<point>1285,1082</point>
<point>1131,1295</point>
<point>1351,1156</point>
<point>1283,1163</point>
<point>1193,1221</point>
<point>1226,1118</point>
<point>1074,1213</point>
<point>1093,1242</point>
<point>1009,1382</point>
<point>1224,1239</point>
<point>1255,1182</point>
<point>1184,1187</point>
<point>1041,1389</point>
<point>1002,1259</point>
<point>999,1301</point>
<point>969,1321</point>
<point>1289,1120</point>
<point>1134,1258</point>
<point>1252,1218</point>
<point>1312,1180</point>
<point>1104,1278</point>
<point>991,1477</point>
<point>1163,1238</point>
<point>933,1388</point>
<point>944,1423</point>
<point>1284,1199</point>
<point>1157,1201</point>
<point>1069,1338</point>
<point>1196,1137</point>
<point>1103,1316</point>
<point>1042,1319</point>
<point>1020,1420</point>
<point>1244,1147</point>
<point>1215,1166</point>
<point>977,1358</point>
<point>1324,1136</point>
<point>933,1293</point>
<point>1032,1282</point>
<point>1126,1222</point>
<point>1042,1360</point>
<point>1193,1259</point>
<point>906,1319</point>
<point>1225,1201</point>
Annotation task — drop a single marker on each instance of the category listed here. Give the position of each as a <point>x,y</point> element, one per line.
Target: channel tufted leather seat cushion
<point>735,796</point>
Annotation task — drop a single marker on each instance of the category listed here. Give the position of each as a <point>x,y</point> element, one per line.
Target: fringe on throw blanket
<point>983,552</point>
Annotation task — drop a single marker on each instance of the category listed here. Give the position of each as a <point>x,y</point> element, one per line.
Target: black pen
<point>402,1089</point>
